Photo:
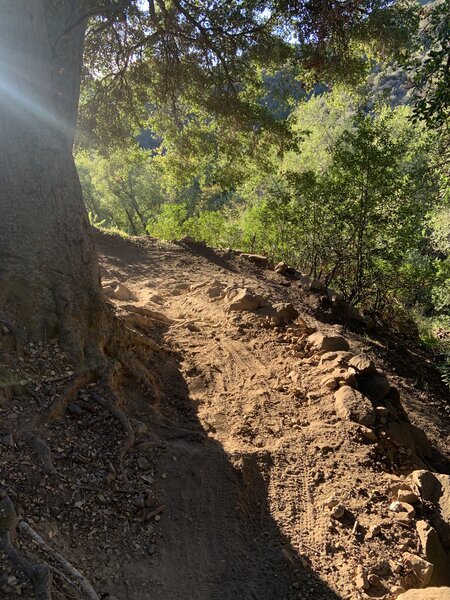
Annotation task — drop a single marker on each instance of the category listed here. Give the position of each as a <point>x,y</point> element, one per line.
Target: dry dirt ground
<point>239,457</point>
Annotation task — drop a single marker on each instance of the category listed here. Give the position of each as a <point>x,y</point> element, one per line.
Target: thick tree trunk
<point>49,275</point>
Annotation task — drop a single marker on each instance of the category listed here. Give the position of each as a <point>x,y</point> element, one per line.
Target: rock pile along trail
<point>279,455</point>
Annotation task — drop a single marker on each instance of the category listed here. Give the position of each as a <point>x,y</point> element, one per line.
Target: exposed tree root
<point>139,371</point>
<point>70,571</point>
<point>18,333</point>
<point>116,412</point>
<point>140,339</point>
<point>40,575</point>
<point>59,406</point>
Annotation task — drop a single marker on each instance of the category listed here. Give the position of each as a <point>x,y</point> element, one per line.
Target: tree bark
<point>49,274</point>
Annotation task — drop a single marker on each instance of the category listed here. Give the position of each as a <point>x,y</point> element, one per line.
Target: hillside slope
<point>256,471</point>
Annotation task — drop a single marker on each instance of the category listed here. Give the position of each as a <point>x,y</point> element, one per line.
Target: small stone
<point>281,268</point>
<point>407,495</point>
<point>322,343</point>
<point>373,531</point>
<point>375,386</point>
<point>139,501</point>
<point>329,382</point>
<point>368,434</point>
<point>7,440</point>
<point>74,409</point>
<point>143,463</point>
<point>121,292</point>
<point>404,512</point>
<point>140,428</point>
<point>361,582</point>
<point>331,501</point>
<point>337,511</point>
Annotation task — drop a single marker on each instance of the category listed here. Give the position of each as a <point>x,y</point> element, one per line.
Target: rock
<point>404,512</point>
<point>8,515</point>
<point>361,582</point>
<point>7,440</point>
<point>257,259</point>
<point>143,463</point>
<point>434,593</point>
<point>190,241</point>
<point>368,434</point>
<point>139,501</point>
<point>435,488</point>
<point>74,409</point>
<point>348,377</point>
<point>435,553</point>
<point>350,404</point>
<point>335,360</point>
<point>362,364</point>
<point>329,382</point>
<point>241,299</point>
<point>284,313</point>
<point>281,268</point>
<point>122,293</point>
<point>321,343</point>
<point>331,501</point>
<point>338,511</point>
<point>405,494</point>
<point>421,567</point>
<point>373,531</point>
<point>375,386</point>
<point>215,289</point>
<point>156,298</point>
<point>140,428</point>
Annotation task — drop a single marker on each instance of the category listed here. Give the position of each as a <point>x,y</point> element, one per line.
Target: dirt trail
<point>246,514</point>
<point>247,469</point>
<point>240,455</point>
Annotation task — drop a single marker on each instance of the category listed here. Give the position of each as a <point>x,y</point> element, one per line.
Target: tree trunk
<point>49,274</point>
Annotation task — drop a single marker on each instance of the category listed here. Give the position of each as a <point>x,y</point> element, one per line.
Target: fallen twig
<point>70,570</point>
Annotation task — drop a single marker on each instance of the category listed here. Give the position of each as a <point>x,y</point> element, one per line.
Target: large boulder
<point>432,593</point>
<point>319,342</point>
<point>350,404</point>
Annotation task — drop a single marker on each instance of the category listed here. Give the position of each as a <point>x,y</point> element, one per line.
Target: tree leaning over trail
<point>49,274</point>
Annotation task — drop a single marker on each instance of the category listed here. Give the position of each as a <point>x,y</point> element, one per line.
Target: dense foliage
<point>346,180</point>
